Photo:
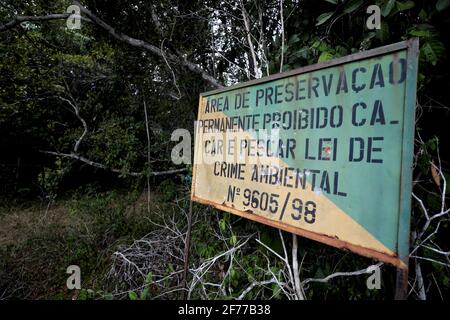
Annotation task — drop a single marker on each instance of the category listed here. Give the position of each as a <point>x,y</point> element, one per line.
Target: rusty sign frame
<point>403,228</point>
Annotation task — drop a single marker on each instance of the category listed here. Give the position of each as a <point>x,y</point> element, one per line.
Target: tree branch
<point>282,35</point>
<point>17,20</point>
<point>252,58</point>
<point>149,47</point>
<point>295,268</point>
<point>119,36</point>
<point>77,114</point>
<point>369,269</point>
<point>255,284</point>
<point>102,166</point>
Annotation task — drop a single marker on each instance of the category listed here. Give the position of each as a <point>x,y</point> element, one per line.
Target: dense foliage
<point>72,95</point>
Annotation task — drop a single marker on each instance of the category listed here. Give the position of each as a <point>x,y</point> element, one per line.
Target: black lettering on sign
<point>359,157</point>
<point>259,95</point>
<point>358,148</point>
<point>300,88</point>
<point>377,77</point>
<point>229,170</point>
<point>241,100</point>
<point>393,74</point>
<point>336,123</point>
<point>269,93</point>
<point>219,104</point>
<point>362,121</point>
<point>378,113</point>
<point>322,116</point>
<point>356,87</point>
<point>342,83</point>
<point>289,92</point>
<point>312,87</point>
<point>327,85</point>
<point>336,186</point>
<point>278,93</point>
<point>371,149</point>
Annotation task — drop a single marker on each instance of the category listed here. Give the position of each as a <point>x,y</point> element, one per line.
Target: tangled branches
<point>155,262</point>
<point>152,255</point>
<point>426,236</point>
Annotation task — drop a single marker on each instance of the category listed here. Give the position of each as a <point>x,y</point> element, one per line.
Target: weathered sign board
<point>324,151</point>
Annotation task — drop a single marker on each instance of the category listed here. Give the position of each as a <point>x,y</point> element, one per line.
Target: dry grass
<point>37,242</point>
<point>18,224</point>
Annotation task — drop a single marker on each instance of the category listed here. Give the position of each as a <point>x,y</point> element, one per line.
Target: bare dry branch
<point>76,109</point>
<point>367,270</point>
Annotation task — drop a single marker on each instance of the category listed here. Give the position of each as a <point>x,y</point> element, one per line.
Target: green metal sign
<point>324,151</point>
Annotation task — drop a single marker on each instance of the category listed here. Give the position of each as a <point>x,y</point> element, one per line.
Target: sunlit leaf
<point>324,56</point>
<point>132,295</point>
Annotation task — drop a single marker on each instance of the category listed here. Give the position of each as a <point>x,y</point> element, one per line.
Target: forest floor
<point>39,241</point>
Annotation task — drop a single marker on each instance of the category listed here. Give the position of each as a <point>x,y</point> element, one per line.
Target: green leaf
<point>441,5</point>
<point>431,144</point>
<point>324,56</point>
<point>353,5</point>
<point>108,296</point>
<point>421,33</point>
<point>82,295</point>
<point>324,47</point>
<point>316,44</point>
<point>424,31</point>
<point>324,18</point>
<point>222,225</point>
<point>421,77</point>
<point>434,51</point>
<point>402,6</point>
<point>388,7</point>
<point>332,1</point>
<point>276,290</point>
<point>429,53</point>
<point>132,295</point>
<point>233,240</point>
<point>144,294</point>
